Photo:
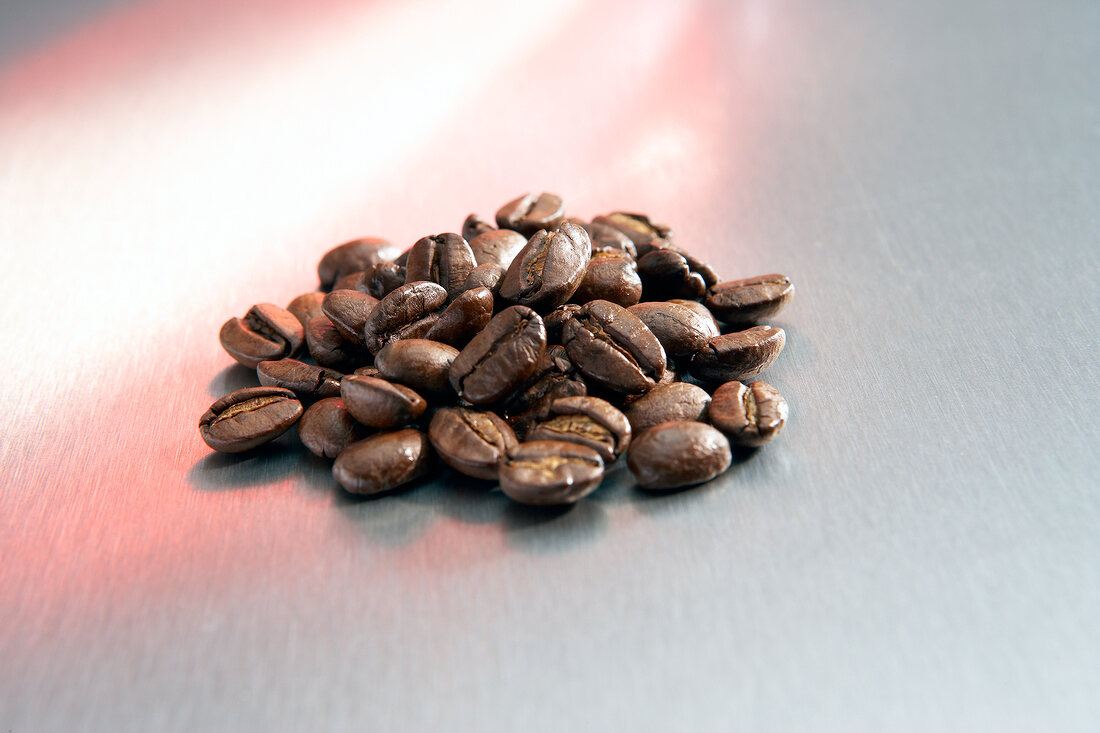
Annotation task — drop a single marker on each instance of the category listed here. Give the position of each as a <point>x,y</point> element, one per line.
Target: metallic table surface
<point>919,551</point>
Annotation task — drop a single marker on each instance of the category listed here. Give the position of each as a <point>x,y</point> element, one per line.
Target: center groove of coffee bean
<point>483,426</point>
<point>247,406</point>
<point>750,407</point>
<point>549,464</point>
<point>580,425</point>
<point>596,329</point>
<point>260,327</point>
<point>519,328</point>
<point>531,278</point>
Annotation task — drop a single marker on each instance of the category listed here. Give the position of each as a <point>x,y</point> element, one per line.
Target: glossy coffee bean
<point>328,348</point>
<point>443,258</point>
<point>249,417</point>
<point>266,332</point>
<point>475,226</point>
<point>750,300</point>
<point>368,371</point>
<point>676,454</point>
<point>528,214</point>
<point>464,318</point>
<point>712,328</point>
<point>681,331</point>
<point>490,276</point>
<point>419,364</point>
<point>306,306</point>
<point>354,256</point>
<point>588,421</point>
<point>498,247</point>
<point>555,321</point>
<point>304,380</point>
<point>550,472</point>
<point>326,428</point>
<point>637,227</point>
<point>666,274</point>
<point>549,269</point>
<point>383,462</point>
<point>611,275</point>
<point>611,346</point>
<point>378,403</point>
<point>408,312</point>
<point>738,356</point>
<point>750,415</point>
<point>500,357</point>
<point>348,310</point>
<point>668,403</point>
<point>470,441</point>
<point>381,279</point>
<point>606,237</point>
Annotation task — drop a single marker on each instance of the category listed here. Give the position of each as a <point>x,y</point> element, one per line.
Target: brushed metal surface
<point>920,550</point>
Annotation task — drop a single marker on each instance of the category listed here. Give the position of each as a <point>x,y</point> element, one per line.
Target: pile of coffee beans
<point>535,354</point>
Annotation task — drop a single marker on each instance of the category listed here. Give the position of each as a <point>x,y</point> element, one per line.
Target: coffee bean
<point>490,275</point>
<point>354,256</point>
<point>249,417</point>
<point>611,275</point>
<point>381,279</point>
<point>681,331</point>
<point>750,415</point>
<point>555,321</point>
<point>470,441</point>
<point>368,371</point>
<point>419,364</point>
<point>266,332</point>
<point>348,310</point>
<point>666,274</point>
<point>553,379</point>
<point>306,306</point>
<point>500,357</point>
<point>328,348</point>
<point>498,247</point>
<point>326,428</point>
<point>606,237</point>
<point>550,472</point>
<point>637,227</point>
<point>350,281</point>
<point>738,356</point>
<point>749,300</point>
<point>444,258</point>
<point>383,462</point>
<point>381,404</point>
<point>668,403</point>
<point>407,312</point>
<point>588,421</point>
<point>528,214</point>
<point>676,454</point>
<point>549,269</point>
<point>464,318</point>
<point>612,346</point>
<point>712,329</point>
<point>304,380</point>
<point>475,226</point>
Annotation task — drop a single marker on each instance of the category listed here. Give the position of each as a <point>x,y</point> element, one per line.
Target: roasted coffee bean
<point>381,279</point>
<point>666,274</point>
<point>550,472</point>
<point>464,318</point>
<point>418,363</point>
<point>407,312</point>
<point>443,258</point>
<point>470,441</point>
<point>667,403</point>
<point>529,407</point>
<point>475,226</point>
<point>354,256</point>
<point>555,321</point>
<point>588,421</point>
<point>750,300</point>
<point>712,328</point>
<point>348,310</point>
<point>549,269</point>
<point>612,346</point>
<point>681,331</point>
<point>750,415</point>
<point>326,428</point>
<point>498,247</point>
<point>266,332</point>
<point>528,214</point>
<point>675,454</point>
<point>306,306</point>
<point>501,357</point>
<point>249,417</point>
<point>378,403</point>
<point>738,356</point>
<point>606,237</point>
<point>304,380</point>
<point>368,371</point>
<point>637,227</point>
<point>350,281</point>
<point>611,275</point>
<point>329,349</point>
<point>383,462</point>
<point>490,275</point>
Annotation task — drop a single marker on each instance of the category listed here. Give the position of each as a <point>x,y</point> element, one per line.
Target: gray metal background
<point>919,551</point>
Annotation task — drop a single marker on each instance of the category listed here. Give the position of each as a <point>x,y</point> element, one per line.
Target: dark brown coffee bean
<point>500,357</point>
<point>712,328</point>
<point>354,256</point>
<point>750,300</point>
<point>475,226</point>
<point>368,371</point>
<point>549,269</point>
<point>348,310</point>
<point>666,274</point>
<point>675,454</point>
<point>443,258</point>
<point>550,472</point>
<point>612,346</point>
<point>470,441</point>
<point>350,281</point>
<point>555,321</point>
<point>304,380</point>
<point>490,275</point>
<point>680,330</point>
<point>266,332</point>
<point>606,237</point>
<point>498,247</point>
<point>553,379</point>
<point>407,312</point>
<point>249,417</point>
<point>423,365</point>
<point>381,404</point>
<point>750,415</point>
<point>306,306</point>
<point>588,421</point>
<point>326,428</point>
<point>668,403</point>
<point>528,214</point>
<point>464,318</point>
<point>637,227</point>
<point>381,279</point>
<point>738,356</point>
<point>383,462</point>
<point>611,275</point>
<point>329,349</point>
